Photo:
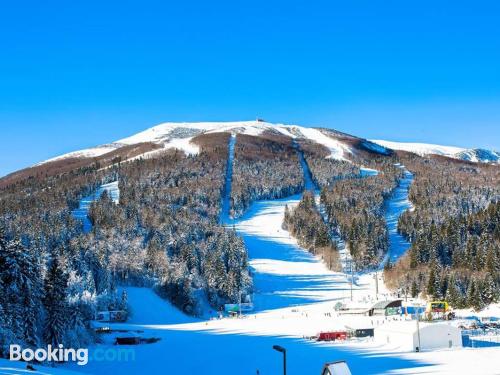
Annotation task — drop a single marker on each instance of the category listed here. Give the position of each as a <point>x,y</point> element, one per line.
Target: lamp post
<point>281,350</point>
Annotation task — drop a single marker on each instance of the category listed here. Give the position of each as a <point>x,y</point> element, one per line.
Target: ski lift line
<point>226,199</point>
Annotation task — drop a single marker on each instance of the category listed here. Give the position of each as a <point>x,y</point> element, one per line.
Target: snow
<point>226,199</point>
<point>86,153</point>
<point>337,149</point>
<point>367,172</point>
<point>148,308</point>
<point>474,155</point>
<point>421,148</point>
<point>81,213</point>
<point>376,148</point>
<point>294,298</point>
<point>19,368</point>
<point>308,181</point>
<point>179,135</point>
<point>395,206</point>
<point>479,155</point>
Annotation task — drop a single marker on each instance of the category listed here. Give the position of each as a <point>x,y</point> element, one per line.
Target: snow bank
<point>19,368</point>
<point>337,149</point>
<point>420,148</point>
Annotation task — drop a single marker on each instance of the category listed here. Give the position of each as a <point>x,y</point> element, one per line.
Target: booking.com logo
<point>81,356</point>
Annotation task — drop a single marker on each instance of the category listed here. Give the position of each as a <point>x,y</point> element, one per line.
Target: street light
<point>281,350</point>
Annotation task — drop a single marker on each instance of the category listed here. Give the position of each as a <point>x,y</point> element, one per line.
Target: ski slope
<point>394,207</point>
<point>294,298</point>
<point>81,213</point>
<point>226,199</point>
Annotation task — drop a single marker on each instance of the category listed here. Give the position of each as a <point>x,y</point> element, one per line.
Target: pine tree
<point>55,303</point>
<point>453,294</point>
<point>433,287</point>
<point>19,272</point>
<point>414,289</point>
<point>489,291</point>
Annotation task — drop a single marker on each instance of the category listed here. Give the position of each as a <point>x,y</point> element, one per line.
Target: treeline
<point>165,231</point>
<point>163,234</point>
<point>305,223</point>
<point>43,299</point>
<point>265,167</point>
<point>454,230</point>
<point>445,188</point>
<point>469,273</point>
<point>355,210</point>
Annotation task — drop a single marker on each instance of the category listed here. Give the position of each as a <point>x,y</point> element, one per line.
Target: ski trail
<point>308,180</point>
<point>226,199</point>
<point>344,254</point>
<point>284,274</point>
<point>395,206</point>
<point>81,213</point>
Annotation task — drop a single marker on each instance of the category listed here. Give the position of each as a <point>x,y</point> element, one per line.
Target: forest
<point>355,210</point>
<point>454,231</point>
<point>165,234</point>
<point>304,222</point>
<point>166,231</point>
<point>265,167</point>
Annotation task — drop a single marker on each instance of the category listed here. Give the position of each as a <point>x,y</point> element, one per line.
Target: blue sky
<point>75,74</point>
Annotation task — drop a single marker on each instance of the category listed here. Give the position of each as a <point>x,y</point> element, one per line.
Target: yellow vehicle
<point>439,310</point>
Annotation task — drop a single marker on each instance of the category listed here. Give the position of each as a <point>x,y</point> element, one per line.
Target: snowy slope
<point>81,213</point>
<point>474,155</point>
<point>294,298</point>
<point>180,135</point>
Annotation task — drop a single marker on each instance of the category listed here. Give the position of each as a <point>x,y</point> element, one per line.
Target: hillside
<point>206,214</point>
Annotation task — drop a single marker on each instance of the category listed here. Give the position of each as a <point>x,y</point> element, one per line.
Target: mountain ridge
<point>180,135</point>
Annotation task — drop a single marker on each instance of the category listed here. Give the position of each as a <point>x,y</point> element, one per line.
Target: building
<point>406,336</point>
<point>386,308</point>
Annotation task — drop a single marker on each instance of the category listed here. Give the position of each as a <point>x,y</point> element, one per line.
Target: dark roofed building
<point>386,307</point>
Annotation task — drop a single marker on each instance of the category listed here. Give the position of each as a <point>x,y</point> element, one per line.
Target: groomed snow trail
<point>226,198</point>
<point>395,206</point>
<point>285,276</point>
<point>81,213</point>
<point>308,180</point>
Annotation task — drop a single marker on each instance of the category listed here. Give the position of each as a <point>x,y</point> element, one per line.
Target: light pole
<point>418,333</point>
<point>281,350</point>
<point>352,276</point>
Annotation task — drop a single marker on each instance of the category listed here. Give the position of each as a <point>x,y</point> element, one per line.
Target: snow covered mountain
<point>170,135</point>
<point>477,155</point>
<point>179,135</point>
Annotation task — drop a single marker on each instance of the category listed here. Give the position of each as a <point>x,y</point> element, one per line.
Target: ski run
<point>295,297</point>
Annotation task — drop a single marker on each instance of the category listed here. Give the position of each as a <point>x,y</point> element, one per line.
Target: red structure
<point>332,336</point>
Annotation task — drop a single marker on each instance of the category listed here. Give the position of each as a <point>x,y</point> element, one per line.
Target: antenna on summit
<point>260,120</point>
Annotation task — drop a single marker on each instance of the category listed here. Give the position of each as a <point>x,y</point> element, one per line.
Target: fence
<point>481,338</point>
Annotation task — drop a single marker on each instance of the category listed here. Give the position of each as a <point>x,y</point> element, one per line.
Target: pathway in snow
<point>284,274</point>
<point>81,213</point>
<point>395,206</point>
<point>226,198</point>
<point>308,180</point>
